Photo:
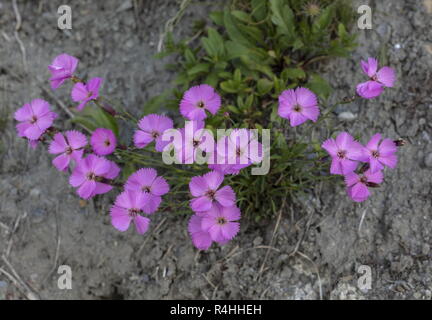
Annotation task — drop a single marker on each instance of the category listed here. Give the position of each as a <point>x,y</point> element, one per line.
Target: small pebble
<point>428,160</point>
<point>425,249</point>
<point>35,193</point>
<point>347,116</point>
<point>257,241</point>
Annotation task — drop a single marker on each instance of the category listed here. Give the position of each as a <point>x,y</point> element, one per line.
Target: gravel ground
<point>316,250</point>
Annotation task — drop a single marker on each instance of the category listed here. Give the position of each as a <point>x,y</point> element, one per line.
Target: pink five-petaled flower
<point>357,185</point>
<point>381,154</point>
<point>90,176</point>
<point>298,106</point>
<point>221,222</point>
<point>151,128</point>
<point>378,79</point>
<point>34,119</point>
<point>127,208</point>
<point>206,191</point>
<point>146,180</point>
<point>345,151</point>
<point>69,146</point>
<point>197,100</point>
<point>194,141</point>
<point>62,68</point>
<point>200,238</point>
<point>83,93</point>
<point>103,141</point>
<point>236,151</point>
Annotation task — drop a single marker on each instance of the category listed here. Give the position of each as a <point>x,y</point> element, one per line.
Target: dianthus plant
<point>162,157</point>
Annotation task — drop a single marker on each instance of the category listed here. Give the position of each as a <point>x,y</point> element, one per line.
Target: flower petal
<point>387,147</point>
<point>230,230</point>
<point>213,179</point>
<point>306,98</point>
<point>312,113</point>
<point>387,76</point>
<point>225,196</point>
<point>389,161</point>
<point>201,204</point>
<point>86,189</point>
<point>120,218</point>
<point>76,139</point>
<point>377,177</point>
<point>296,119</point>
<point>159,187</point>
<point>358,192</point>
<point>374,142</point>
<point>79,92</point>
<point>141,224</point>
<point>142,139</point>
<point>198,186</point>
<point>369,89</point>
<point>58,144</point>
<point>152,204</point>
<point>61,162</point>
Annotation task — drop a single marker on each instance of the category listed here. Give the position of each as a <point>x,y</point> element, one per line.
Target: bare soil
<point>316,250</point>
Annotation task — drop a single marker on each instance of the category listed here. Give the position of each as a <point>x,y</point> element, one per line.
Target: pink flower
<point>70,147</point>
<point>193,141</point>
<point>206,191</point>
<point>201,239</point>
<point>242,148</point>
<point>345,151</point>
<point>221,222</point>
<point>151,128</point>
<point>92,174</point>
<point>357,185</point>
<point>381,154</point>
<point>197,100</point>
<point>84,93</point>
<point>146,180</point>
<point>103,141</point>
<point>298,106</point>
<point>236,151</point>
<point>128,207</point>
<point>34,119</point>
<point>385,77</point>
<point>62,68</point>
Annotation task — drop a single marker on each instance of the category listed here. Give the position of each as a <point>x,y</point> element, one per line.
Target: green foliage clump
<point>252,51</point>
<point>255,49</point>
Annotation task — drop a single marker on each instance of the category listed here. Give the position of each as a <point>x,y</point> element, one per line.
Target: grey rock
<point>347,116</point>
<point>428,160</point>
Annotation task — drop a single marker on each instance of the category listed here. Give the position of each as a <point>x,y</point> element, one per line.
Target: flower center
<point>200,104</point>
<point>146,189</point>
<point>195,143</point>
<point>155,134</point>
<point>238,152</point>
<point>89,94</point>
<point>33,119</point>
<point>211,194</point>
<point>91,176</point>
<point>297,108</point>
<point>68,150</point>
<point>374,78</point>
<point>221,221</point>
<point>107,143</point>
<point>341,154</point>
<point>133,212</point>
<point>375,154</point>
<point>363,179</point>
